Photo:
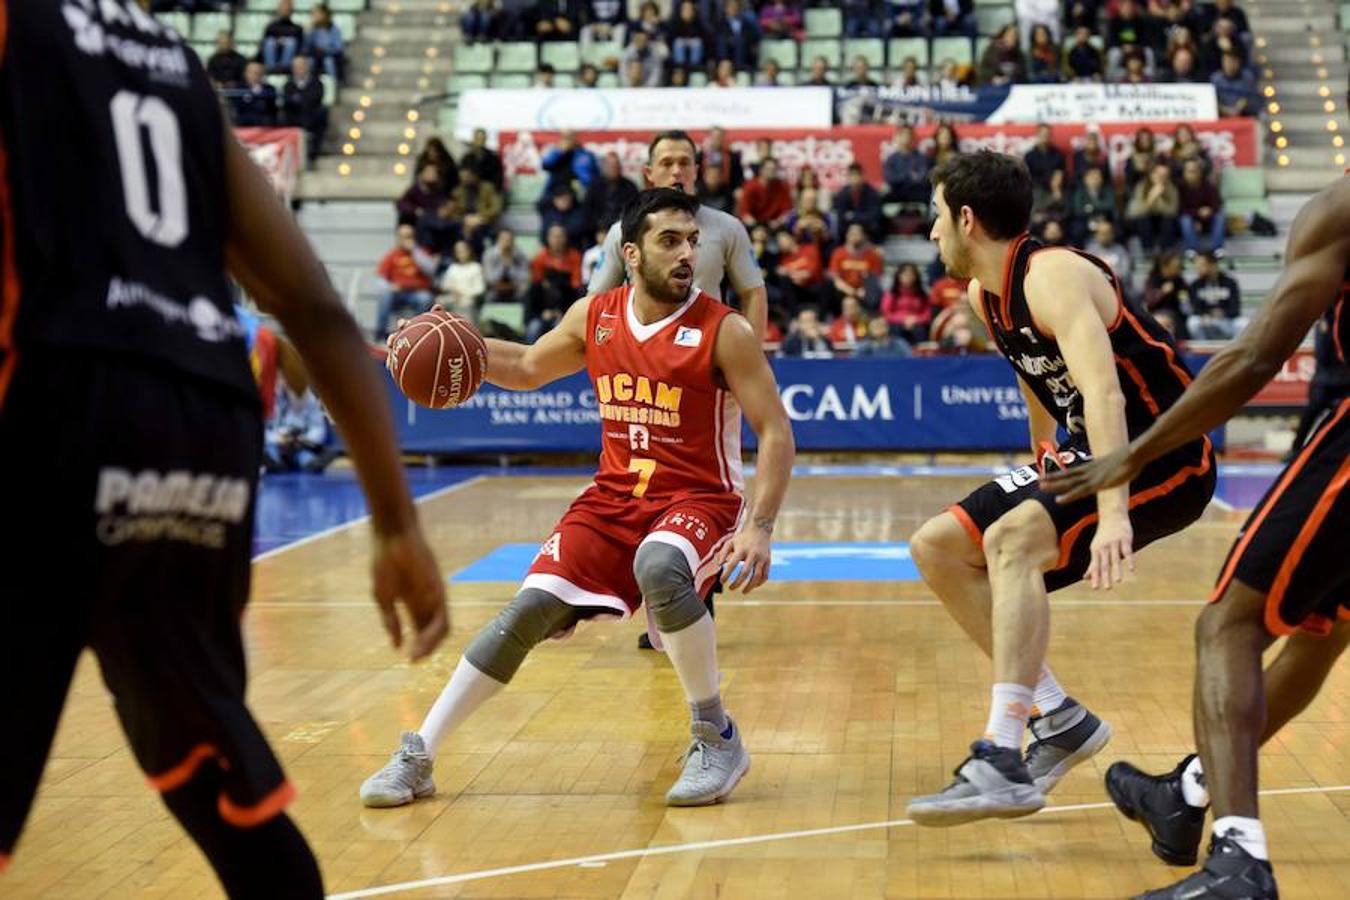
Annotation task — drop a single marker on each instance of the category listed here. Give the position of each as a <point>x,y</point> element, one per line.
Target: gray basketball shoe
<point>1061,740</point>
<point>992,783</point>
<point>405,778</point>
<point>713,766</point>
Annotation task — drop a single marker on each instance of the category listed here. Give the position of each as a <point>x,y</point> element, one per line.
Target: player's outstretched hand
<point>399,323</point>
<point>1090,478</point>
<point>1112,552</point>
<point>405,572</point>
<point>745,559</point>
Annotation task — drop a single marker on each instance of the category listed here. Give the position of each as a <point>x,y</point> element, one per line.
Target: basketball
<point>438,359</point>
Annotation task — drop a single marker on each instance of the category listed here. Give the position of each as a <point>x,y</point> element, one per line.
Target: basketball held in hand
<point>437,359</point>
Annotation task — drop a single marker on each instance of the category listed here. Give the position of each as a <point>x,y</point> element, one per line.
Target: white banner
<point>1034,103</point>
<point>643,109</point>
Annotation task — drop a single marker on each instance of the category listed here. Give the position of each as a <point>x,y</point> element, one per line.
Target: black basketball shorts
<point>126,519</point>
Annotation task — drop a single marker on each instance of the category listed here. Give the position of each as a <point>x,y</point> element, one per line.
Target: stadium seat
<point>524,190</point>
<point>205,26</point>
<point>250,26</point>
<point>900,49</point>
<point>346,23</point>
<point>1242,182</point>
<point>473,58</point>
<point>347,6</point>
<point>826,47</point>
<point>824,23</point>
<point>600,51</point>
<point>179,22</point>
<point>517,56</point>
<point>992,18</point>
<point>204,51</point>
<point>464,81</point>
<point>1345,17</point>
<point>330,89</point>
<point>509,80</point>
<point>564,80</point>
<point>782,52</point>
<point>607,80</point>
<point>512,315</point>
<point>981,42</point>
<point>954,48</point>
<point>565,56</point>
<point>698,78</point>
<point>871,49</point>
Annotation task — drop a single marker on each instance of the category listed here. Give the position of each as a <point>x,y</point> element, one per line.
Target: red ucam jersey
<point>668,426</point>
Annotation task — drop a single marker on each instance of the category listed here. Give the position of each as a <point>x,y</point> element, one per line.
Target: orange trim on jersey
<point>1070,537</point>
<point>1294,468</point>
<point>4,862</point>
<point>968,524</point>
<point>1168,352</point>
<point>259,813</point>
<point>1009,263</point>
<point>9,268</point>
<point>1274,624</point>
<point>1336,324</point>
<point>183,772</point>
<point>1139,382</point>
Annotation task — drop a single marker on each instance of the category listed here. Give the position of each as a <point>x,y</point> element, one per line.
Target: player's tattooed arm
<point>560,352</point>
<point>763,523</point>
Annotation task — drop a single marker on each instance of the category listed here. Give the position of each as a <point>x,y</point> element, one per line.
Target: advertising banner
<point>917,104</point>
<point>279,152</point>
<point>1033,103</point>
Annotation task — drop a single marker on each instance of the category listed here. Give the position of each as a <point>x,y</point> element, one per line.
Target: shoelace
<point>698,748</point>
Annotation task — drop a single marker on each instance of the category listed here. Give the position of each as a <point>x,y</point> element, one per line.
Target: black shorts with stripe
<point>1169,494</point>
<point>1293,547</point>
<point>128,495</point>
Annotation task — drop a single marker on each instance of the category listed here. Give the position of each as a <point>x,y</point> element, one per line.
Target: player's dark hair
<point>674,134</point>
<point>996,187</point>
<point>653,200</point>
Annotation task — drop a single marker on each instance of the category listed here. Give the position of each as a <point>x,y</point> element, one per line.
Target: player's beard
<point>657,284</point>
<point>956,259</point>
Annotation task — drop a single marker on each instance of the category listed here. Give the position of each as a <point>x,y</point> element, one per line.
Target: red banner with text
<point>279,152</point>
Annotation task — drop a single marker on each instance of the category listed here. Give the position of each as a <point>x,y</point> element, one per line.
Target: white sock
<point>693,653</point>
<point>1193,789</point>
<point>466,690</point>
<point>1049,695</point>
<point>1247,832</point>
<point>1008,713</point>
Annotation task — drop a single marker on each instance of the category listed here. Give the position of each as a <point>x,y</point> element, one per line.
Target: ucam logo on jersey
<point>688,337</point>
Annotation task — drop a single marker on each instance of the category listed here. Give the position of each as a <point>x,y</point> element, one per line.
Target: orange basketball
<point>438,359</point>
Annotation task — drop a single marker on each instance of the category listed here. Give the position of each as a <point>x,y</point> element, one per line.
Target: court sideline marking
<point>667,849</point>
<point>737,602</point>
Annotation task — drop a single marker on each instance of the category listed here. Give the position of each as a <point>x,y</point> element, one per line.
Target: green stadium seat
<point>473,58</point>
<point>991,19</point>
<point>871,49</point>
<point>278,82</point>
<point>512,315</point>
<point>330,89</point>
<point>509,80</point>
<point>698,79</point>
<point>565,56</point>
<point>1345,17</point>
<point>204,51</point>
<point>900,49</point>
<point>1242,182</point>
<point>179,22</point>
<point>953,48</point>
<point>464,81</point>
<point>524,190</point>
<point>607,80</point>
<point>598,52</point>
<point>205,26</point>
<point>348,6</point>
<point>346,23</point>
<point>782,52</point>
<point>824,23</point>
<point>826,47</point>
<point>564,80</point>
<point>250,26</point>
<point>517,56</point>
<point>787,78</point>
<point>981,42</point>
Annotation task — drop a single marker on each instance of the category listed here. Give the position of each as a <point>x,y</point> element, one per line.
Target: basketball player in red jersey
<point>672,369</point>
<point>1287,574</point>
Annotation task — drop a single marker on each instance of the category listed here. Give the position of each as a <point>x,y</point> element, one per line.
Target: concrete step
<point>415,80</point>
<point>1330,73</point>
<point>411,34</point>
<point>383,112</point>
<point>326,182</point>
<point>1300,53</point>
<point>1300,179</point>
<point>1312,122</point>
<point>1270,26</point>
<point>1306,102</point>
<point>344,215</point>
<point>418,18</point>
<point>361,60</point>
<point>363,248</point>
<point>443,6</point>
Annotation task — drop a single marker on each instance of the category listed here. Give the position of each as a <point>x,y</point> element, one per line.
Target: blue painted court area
<point>791,562</point>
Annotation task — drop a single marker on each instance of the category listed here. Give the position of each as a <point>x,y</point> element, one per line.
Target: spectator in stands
<point>952,17</point>
<point>1133,72</point>
<point>435,153</point>
<point>555,281</point>
<point>409,284</point>
<point>906,308</point>
<point>1105,246</point>
<point>649,20</point>
<point>861,75</point>
<point>1166,294</point>
<point>738,37</point>
<point>1094,198</point>
<point>780,21</point>
<point>425,194</point>
<point>323,43</point>
<point>1032,14</point>
<point>763,151</point>
<point>567,162</point>
<point>810,223</point>
<point>1082,14</point>
<point>859,203</point>
<point>545,76</point>
<point>484,160</point>
<point>302,105</point>
<point>689,38</point>
<point>1090,155</point>
<point>765,198</point>
<point>1051,203</point>
<point>1226,10</point>
<point>606,21</point>
<point>296,436</point>
<point>555,20</point>
<point>1131,27</point>
<point>643,62</point>
<point>1042,57</point>
<point>481,205</point>
<point>1053,233</point>
<point>1224,39</point>
<point>1216,303</point>
<point>505,269</point>
<point>906,18</point>
<point>1186,146</point>
<point>820,73</point>
<point>770,76</point>
<point>714,192</point>
<point>947,291</point>
<point>800,269</point>
<point>1140,162</point>
<point>679,78</point>
<point>906,170</point>
<point>807,338</point>
<point>849,328</point>
<point>476,22</point>
<point>1201,209</point>
<point>724,76</point>
<point>862,18</point>
<point>1002,61</point>
<point>226,65</point>
<point>881,342</point>
<point>1182,67</point>
<point>608,194</point>
<point>910,75</point>
<point>1044,157</point>
<point>1235,88</point>
<point>594,255</point>
<point>958,331</point>
<point>563,210</point>
<point>281,39</point>
<point>439,230</point>
<point>1082,61</point>
<point>855,270</point>
<point>946,144</point>
<point>464,283</point>
<point>588,77</point>
<point>255,104</point>
<point>1153,208</point>
<point>716,153</point>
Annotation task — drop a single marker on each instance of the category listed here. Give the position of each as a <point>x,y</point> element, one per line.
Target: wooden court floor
<point>852,697</point>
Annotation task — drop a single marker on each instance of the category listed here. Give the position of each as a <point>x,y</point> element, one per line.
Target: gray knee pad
<point>527,620</point>
<point>667,585</point>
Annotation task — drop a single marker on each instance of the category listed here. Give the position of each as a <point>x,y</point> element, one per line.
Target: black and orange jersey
<point>1331,344</point>
<point>1152,374</point>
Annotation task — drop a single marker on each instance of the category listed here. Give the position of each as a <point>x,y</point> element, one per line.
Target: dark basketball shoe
<point>1230,873</point>
<point>1062,739</point>
<point>1156,802</point>
<point>992,783</point>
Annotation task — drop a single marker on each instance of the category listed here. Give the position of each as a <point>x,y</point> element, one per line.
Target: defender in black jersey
<point>130,430</point>
<point>1288,572</point>
<point>1094,370</point>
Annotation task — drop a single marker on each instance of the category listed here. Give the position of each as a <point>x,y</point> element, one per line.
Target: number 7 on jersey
<point>645,469</point>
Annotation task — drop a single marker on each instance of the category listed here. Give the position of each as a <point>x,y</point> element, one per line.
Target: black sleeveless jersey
<point>112,192</point>
<point>1152,375</point>
<point>1331,344</point>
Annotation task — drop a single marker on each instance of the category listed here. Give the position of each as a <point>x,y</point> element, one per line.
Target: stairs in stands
<point>1300,53</point>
